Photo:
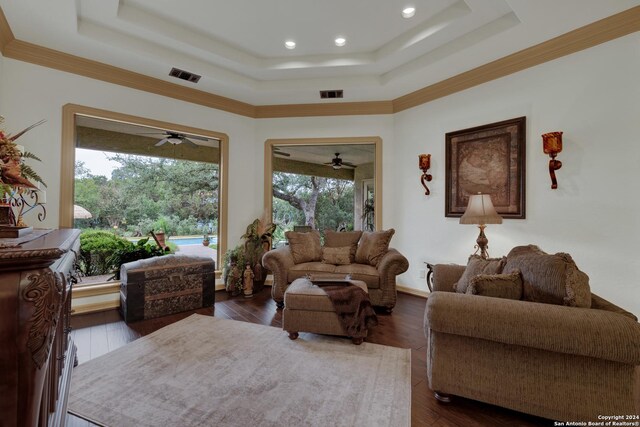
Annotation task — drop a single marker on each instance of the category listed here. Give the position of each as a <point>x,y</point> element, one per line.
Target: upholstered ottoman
<point>307,308</point>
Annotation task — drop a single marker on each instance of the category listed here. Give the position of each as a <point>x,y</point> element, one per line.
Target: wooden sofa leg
<point>441,397</point>
<point>357,341</point>
<point>293,335</point>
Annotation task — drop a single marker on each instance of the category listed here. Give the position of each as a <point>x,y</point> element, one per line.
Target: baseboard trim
<point>412,291</point>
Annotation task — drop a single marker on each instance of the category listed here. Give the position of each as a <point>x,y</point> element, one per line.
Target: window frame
<point>67,166</point>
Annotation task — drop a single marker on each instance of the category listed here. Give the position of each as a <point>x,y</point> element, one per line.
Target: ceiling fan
<point>337,163</point>
<point>176,138</point>
<point>277,151</point>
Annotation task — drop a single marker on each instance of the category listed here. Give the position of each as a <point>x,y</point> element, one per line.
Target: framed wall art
<point>488,159</point>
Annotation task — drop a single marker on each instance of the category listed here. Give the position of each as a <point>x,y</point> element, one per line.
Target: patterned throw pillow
<point>478,265</point>
<point>551,279</point>
<point>340,239</point>
<point>373,245</point>
<point>305,247</point>
<point>337,256</point>
<point>507,286</point>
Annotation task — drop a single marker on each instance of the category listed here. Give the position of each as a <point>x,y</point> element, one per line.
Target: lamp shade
<point>480,211</point>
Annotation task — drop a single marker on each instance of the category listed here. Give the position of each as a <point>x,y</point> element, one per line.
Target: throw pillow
<point>337,256</point>
<point>336,239</point>
<point>373,245</point>
<point>478,265</point>
<point>305,247</point>
<point>551,279</point>
<point>507,286</point>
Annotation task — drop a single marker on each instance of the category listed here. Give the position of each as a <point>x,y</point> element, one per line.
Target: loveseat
<point>377,266</point>
<point>557,361</point>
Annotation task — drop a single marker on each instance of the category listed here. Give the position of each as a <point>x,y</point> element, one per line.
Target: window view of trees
<point>322,203</point>
<point>145,194</point>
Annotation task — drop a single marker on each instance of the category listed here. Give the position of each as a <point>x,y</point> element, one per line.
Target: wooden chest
<point>165,285</point>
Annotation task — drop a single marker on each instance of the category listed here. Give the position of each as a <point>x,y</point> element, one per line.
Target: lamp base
<point>482,243</point>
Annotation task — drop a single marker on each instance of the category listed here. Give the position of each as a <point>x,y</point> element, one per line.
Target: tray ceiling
<point>238,47</point>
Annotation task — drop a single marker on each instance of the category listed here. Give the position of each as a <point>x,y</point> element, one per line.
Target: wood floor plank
<point>403,328</point>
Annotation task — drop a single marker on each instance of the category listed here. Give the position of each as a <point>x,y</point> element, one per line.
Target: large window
<point>132,176</point>
<point>330,183</point>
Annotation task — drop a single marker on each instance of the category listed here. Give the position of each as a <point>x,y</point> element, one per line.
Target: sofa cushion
<point>312,268</point>
<point>373,245</point>
<point>305,246</point>
<point>338,239</point>
<point>337,256</point>
<point>478,265</point>
<point>366,273</point>
<point>551,279</point>
<point>508,286</point>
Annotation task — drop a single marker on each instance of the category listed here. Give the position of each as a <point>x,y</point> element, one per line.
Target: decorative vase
<point>205,242</point>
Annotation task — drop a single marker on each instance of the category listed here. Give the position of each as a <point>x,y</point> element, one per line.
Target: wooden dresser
<point>36,352</point>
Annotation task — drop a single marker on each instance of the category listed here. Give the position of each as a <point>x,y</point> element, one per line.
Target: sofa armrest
<point>391,264</point>
<point>279,261</point>
<point>445,275</point>
<point>571,330</point>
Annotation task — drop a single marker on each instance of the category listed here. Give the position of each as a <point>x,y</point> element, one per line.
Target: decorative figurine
<point>248,281</point>
<point>233,279</point>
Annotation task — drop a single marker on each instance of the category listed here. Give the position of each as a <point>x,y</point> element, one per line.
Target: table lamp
<point>480,211</point>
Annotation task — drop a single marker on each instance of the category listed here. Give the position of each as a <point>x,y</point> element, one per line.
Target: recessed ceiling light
<point>408,12</point>
<point>340,41</point>
<point>290,44</point>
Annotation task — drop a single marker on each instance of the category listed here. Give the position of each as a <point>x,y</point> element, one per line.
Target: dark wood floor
<point>98,333</point>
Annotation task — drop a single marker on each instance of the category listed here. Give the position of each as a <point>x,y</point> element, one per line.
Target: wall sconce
<point>552,145</point>
<point>424,163</point>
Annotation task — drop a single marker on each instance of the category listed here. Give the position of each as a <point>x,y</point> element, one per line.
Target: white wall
<point>30,93</point>
<point>594,97</point>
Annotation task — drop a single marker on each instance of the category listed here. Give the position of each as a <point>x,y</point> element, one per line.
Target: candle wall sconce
<point>552,145</point>
<point>424,163</point>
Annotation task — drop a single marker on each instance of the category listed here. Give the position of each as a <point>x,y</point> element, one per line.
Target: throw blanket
<point>353,308</point>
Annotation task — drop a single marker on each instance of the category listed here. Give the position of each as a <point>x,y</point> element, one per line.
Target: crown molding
<point>598,32</point>
<point>604,30</point>
<point>6,35</point>
<point>39,55</point>
<point>330,109</point>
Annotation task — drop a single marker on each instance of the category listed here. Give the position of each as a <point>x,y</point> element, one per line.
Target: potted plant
<point>205,240</point>
<point>257,241</point>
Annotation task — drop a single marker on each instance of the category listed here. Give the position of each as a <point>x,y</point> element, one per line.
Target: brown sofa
<point>380,280</point>
<point>554,361</point>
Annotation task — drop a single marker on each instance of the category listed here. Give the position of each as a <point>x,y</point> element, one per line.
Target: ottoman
<point>307,308</point>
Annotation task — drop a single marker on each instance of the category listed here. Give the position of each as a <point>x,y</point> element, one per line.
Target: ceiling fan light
<point>336,167</point>
<point>290,44</point>
<point>340,41</point>
<point>174,140</point>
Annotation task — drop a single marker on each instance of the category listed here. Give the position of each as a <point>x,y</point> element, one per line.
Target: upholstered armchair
<point>380,280</point>
<point>554,361</point>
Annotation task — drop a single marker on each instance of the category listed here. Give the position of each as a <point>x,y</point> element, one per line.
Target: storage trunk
<point>165,285</point>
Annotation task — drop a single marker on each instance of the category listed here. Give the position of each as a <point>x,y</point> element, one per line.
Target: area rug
<point>206,371</point>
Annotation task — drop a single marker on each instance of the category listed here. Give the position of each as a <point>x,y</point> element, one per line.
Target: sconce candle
<point>424,163</point>
<point>42,197</point>
<point>552,145</point>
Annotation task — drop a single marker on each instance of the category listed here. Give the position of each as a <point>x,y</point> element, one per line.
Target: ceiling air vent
<point>184,75</point>
<point>326,94</point>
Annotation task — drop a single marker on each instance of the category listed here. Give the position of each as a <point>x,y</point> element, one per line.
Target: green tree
<point>320,202</point>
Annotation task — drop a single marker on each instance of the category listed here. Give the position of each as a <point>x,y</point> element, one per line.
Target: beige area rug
<point>205,371</point>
